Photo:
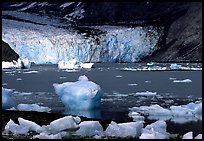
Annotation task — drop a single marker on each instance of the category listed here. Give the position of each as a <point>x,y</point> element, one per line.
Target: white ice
<point>129,129</point>
<point>178,114</point>
<point>73,64</point>
<point>82,94</point>
<point>89,128</point>
<point>33,107</point>
<point>182,81</point>
<point>22,62</point>
<point>156,130</point>
<point>67,123</point>
<point>147,93</point>
<point>49,44</point>
<point>7,99</point>
<point>188,135</point>
<point>175,66</point>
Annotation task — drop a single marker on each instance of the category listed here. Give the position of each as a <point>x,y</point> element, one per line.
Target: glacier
<point>49,44</point>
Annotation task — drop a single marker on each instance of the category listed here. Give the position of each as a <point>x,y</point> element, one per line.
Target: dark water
<point>119,87</point>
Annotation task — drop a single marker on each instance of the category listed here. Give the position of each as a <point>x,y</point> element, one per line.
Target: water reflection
<point>95,113</point>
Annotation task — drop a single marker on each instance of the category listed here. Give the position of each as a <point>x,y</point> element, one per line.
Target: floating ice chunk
<point>89,128</point>
<point>86,65</point>
<point>31,72</point>
<point>72,64</point>
<point>132,84</point>
<point>153,135</point>
<point>156,130</point>
<point>185,80</point>
<point>82,94</point>
<point>188,135</point>
<point>175,67</point>
<point>22,62</point>
<point>32,126</point>
<point>7,100</point>
<point>18,79</point>
<point>129,129</point>
<point>147,93</point>
<point>25,63</point>
<point>46,136</point>
<point>15,128</point>
<point>181,111</point>
<point>136,116</point>
<point>67,123</point>
<point>177,114</point>
<point>32,107</point>
<point>199,136</point>
<point>118,76</point>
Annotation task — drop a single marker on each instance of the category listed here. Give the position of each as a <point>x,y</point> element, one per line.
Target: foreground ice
<point>156,130</point>
<point>129,129</point>
<point>32,107</point>
<point>89,128</point>
<point>55,130</point>
<point>177,114</point>
<point>69,126</point>
<point>22,62</point>
<point>81,95</point>
<point>7,100</point>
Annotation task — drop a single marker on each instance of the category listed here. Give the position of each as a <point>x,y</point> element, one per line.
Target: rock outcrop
<point>183,38</point>
<point>8,54</point>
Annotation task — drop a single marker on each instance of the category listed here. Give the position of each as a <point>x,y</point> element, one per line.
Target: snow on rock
<point>156,130</point>
<point>129,129</point>
<point>188,135</point>
<point>7,100</point>
<point>32,107</point>
<point>89,128</point>
<point>184,81</point>
<point>82,94</point>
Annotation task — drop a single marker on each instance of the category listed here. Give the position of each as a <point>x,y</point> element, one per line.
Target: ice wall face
<point>44,44</point>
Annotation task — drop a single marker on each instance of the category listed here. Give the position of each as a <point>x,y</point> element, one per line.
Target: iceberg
<point>7,100</point>
<point>89,128</point>
<point>129,129</point>
<point>73,64</point>
<point>156,130</point>
<point>80,95</point>
<point>33,107</point>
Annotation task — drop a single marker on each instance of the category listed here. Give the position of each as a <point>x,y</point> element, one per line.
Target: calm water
<point>118,85</point>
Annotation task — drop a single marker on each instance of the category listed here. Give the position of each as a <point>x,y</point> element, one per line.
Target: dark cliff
<point>8,54</point>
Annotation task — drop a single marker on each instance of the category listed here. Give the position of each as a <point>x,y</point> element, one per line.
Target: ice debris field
<point>85,95</point>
